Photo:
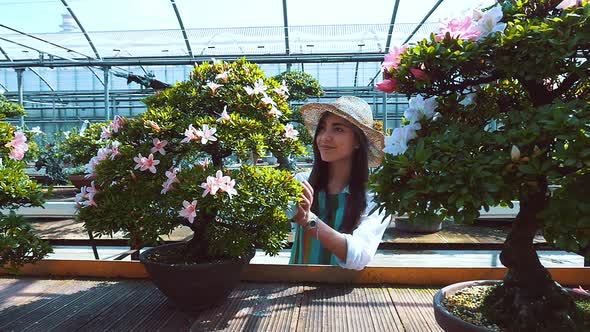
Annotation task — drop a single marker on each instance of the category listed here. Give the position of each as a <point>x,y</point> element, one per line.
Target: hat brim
<point>312,113</point>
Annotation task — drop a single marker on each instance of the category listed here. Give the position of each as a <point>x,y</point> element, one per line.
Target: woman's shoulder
<point>302,176</point>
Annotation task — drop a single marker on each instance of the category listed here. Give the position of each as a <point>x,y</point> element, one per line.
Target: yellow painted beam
<point>427,276</point>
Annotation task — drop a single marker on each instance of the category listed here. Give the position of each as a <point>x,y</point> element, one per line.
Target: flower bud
<point>515,154</point>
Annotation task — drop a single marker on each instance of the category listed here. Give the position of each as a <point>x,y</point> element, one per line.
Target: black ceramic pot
<point>192,286</point>
<point>448,322</point>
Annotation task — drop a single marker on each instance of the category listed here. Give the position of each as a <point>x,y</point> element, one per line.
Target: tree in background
<point>18,244</point>
<point>500,112</point>
<point>301,86</point>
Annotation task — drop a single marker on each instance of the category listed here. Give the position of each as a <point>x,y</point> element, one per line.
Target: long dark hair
<point>356,202</point>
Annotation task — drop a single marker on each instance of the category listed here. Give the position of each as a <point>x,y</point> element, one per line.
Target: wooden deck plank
<point>137,305</point>
<point>109,293</point>
<point>38,293</point>
<point>62,298</point>
<point>73,313</point>
<point>385,317</point>
<point>414,309</point>
<point>136,291</point>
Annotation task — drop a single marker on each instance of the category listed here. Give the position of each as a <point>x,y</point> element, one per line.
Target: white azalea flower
<point>489,22</point>
<point>397,143</point>
<point>420,108</point>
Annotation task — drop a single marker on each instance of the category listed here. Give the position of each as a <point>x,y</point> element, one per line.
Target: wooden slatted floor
<point>33,304</point>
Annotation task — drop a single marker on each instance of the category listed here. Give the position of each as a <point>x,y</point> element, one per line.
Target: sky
<point>39,16</point>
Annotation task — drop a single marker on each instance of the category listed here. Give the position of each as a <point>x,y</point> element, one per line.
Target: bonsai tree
<point>500,111</point>
<point>18,244</point>
<point>300,86</point>
<point>165,168</point>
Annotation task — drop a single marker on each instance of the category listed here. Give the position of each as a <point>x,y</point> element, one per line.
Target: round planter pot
<point>404,225</point>
<point>449,322</point>
<point>80,181</point>
<point>192,286</point>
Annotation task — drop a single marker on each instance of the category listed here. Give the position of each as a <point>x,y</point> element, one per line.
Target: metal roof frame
<point>184,35</point>
<point>81,28</point>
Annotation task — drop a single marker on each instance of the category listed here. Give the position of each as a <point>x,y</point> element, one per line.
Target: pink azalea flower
<point>283,90</point>
<point>268,101</point>
<point>171,179</point>
<point>171,175</point>
<point>388,86</point>
<point>117,123</point>
<point>224,116</point>
<point>223,76</point>
<point>154,125</point>
<point>140,161</point>
<point>212,184</point>
<point>569,3</point>
<point>91,192</point>
<point>204,163</point>
<point>459,29</point>
<point>189,211</point>
<point>206,134</point>
<point>81,196</point>
<point>419,74</point>
<point>213,86</point>
<point>91,166</point>
<point>191,134</point>
<point>249,90</point>
<point>259,86</point>
<point>392,59</point>
<point>106,133</point>
<point>102,154</point>
<point>18,145</point>
<point>159,146</point>
<point>581,290</point>
<point>150,164</point>
<point>115,150</point>
<point>227,185</point>
<point>290,132</point>
<point>275,112</point>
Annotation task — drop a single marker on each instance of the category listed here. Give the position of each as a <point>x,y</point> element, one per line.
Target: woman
<point>332,222</point>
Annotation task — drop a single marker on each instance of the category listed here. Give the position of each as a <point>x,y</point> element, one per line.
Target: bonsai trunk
<point>529,300</point>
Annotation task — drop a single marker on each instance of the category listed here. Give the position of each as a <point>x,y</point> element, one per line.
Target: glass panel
<point>330,12</point>
<point>230,13</point>
<point>51,23</point>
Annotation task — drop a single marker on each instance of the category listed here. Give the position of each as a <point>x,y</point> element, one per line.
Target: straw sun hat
<point>355,110</point>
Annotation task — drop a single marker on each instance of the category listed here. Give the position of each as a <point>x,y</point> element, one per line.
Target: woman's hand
<point>306,202</point>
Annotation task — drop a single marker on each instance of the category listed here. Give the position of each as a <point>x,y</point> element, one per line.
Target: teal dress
<point>306,248</point>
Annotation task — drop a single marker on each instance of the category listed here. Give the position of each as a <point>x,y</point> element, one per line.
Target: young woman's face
<point>335,139</point>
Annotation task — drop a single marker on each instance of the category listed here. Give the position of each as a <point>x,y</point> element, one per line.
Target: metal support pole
<point>385,113</point>
<point>19,82</point>
<point>107,99</point>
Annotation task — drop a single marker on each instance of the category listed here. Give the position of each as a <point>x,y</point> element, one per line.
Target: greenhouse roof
<point>59,33</point>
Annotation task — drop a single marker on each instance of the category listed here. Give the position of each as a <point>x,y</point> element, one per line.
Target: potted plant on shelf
<point>76,149</point>
<point>500,109</point>
<point>18,244</point>
<point>167,169</point>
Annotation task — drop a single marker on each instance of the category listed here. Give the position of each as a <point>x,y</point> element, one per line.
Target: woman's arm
<point>362,244</point>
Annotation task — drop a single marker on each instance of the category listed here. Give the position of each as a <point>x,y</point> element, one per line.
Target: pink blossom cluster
<point>170,180</point>
<point>219,183</point>
<point>475,27</point>
<point>206,134</point>
<point>19,146</point>
<point>86,196</point>
<point>111,151</point>
<point>146,163</point>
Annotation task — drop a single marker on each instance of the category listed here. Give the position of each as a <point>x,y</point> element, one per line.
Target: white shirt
<point>362,244</point>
